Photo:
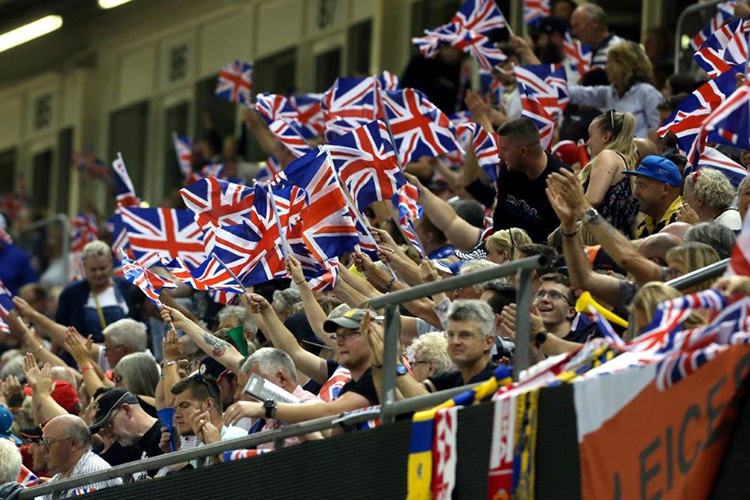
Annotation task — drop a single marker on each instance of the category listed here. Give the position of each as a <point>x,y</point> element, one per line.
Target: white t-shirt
<point>107,298</point>
<point>730,218</point>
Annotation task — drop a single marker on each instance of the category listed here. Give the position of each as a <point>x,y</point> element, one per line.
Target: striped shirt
<point>89,463</point>
<point>599,54</point>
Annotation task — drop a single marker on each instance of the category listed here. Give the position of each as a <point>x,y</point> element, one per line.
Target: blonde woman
<point>689,257</point>
<point>431,356</point>
<point>646,300</point>
<point>630,89</point>
<point>613,150</point>
<point>503,245</point>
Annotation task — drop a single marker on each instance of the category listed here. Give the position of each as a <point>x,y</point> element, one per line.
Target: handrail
<point>699,275</point>
<point>65,222</point>
<point>294,430</point>
<point>678,30</point>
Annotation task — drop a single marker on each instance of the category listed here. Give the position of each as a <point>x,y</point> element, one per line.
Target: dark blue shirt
<point>15,267</point>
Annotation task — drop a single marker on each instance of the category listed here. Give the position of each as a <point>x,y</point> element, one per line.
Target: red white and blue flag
<point>290,136</point>
<point>490,87</point>
<point>310,112</point>
<point>6,305</point>
<point>275,107</point>
<point>419,128</point>
<point>724,49</point>
<point>151,284</point>
<point>480,16</point>
<point>729,123</point>
<point>235,82</point>
<point>725,11</point>
<point>366,163</point>
<point>217,203</point>
<point>713,158</point>
<point>88,162</point>
<point>332,388</point>
<point>534,11</point>
<point>577,55</point>
<point>119,242</point>
<point>405,201</point>
<point>686,121</point>
<point>548,83</point>
<point>475,44</point>
<point>154,233</point>
<point>123,185</point>
<point>27,478</point>
<point>739,263</point>
<point>211,275</point>
<point>83,230</point>
<point>350,103</point>
<point>183,147</point>
<point>388,81</point>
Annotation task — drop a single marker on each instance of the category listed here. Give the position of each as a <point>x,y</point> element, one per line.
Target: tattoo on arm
<point>218,345</point>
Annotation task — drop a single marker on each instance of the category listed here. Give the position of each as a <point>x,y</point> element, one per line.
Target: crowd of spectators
<point>88,370</point>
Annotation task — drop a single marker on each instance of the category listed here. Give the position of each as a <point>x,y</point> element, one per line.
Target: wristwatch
<point>589,215</point>
<point>270,407</point>
<point>401,370</point>
<point>540,339</point>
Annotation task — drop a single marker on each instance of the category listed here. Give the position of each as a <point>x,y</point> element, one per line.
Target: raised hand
<point>294,268</point>
<point>374,333</point>
<point>428,272</point>
<point>242,409</point>
<point>31,370</point>
<point>76,346</point>
<point>171,315</point>
<point>171,346</point>
<point>732,285</point>
<point>13,392</point>
<point>256,303</point>
<point>44,383</point>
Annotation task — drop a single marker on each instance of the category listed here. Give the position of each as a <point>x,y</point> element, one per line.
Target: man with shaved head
<point>67,442</point>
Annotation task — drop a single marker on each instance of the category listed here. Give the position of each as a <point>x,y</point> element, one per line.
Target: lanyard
<point>99,311</point>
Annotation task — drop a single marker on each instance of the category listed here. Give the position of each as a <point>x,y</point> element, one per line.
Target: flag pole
<point>228,270</point>
<point>284,243</point>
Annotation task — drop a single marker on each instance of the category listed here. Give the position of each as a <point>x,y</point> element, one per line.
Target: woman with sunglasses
<point>613,150</point>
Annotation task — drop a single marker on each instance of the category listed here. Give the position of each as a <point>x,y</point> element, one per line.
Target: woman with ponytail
<point>612,151</point>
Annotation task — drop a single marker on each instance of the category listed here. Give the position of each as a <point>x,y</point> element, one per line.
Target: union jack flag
<point>213,170</point>
<point>332,388</point>
<point>548,83</point>
<point>405,200</point>
<point>6,305</point>
<point>235,82</point>
<point>274,108</point>
<point>350,103</point>
<point>269,171</point>
<point>577,55</point>
<point>713,158</point>
<point>739,263</point>
<point>480,16</point>
<point>729,123</point>
<point>687,119</point>
<point>151,284</point>
<point>310,112</point>
<point>418,127</point>
<point>231,456</point>
<point>119,242</point>
<point>217,203</point>
<point>475,44</point>
<point>487,152</point>
<point>724,49</point>
<point>533,110</point>
<point>88,162</point>
<point>123,185</point>
<point>83,230</point>
<point>290,136</point>
<point>490,87</point>
<point>27,478</point>
<point>157,232</point>
<point>725,11</point>
<point>460,118</point>
<point>328,229</point>
<point>211,275</point>
<point>534,11</point>
<point>183,147</point>
<point>388,81</point>
<point>366,163</point>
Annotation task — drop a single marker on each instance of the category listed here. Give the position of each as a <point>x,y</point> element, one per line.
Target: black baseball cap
<point>550,24</point>
<point>300,327</point>
<point>107,404</point>
<point>31,434</point>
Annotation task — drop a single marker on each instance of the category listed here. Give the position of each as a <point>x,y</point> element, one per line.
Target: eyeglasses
<point>48,444</point>
<point>345,336</point>
<point>107,427</point>
<point>552,294</point>
<point>421,362</point>
<point>201,379</point>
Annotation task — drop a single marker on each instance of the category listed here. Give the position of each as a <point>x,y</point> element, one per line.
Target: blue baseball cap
<point>6,423</point>
<point>659,169</point>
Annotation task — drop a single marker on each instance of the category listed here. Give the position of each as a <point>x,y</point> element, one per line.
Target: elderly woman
<point>613,150</point>
<point>431,356</point>
<point>709,196</point>
<point>98,300</point>
<point>630,89</point>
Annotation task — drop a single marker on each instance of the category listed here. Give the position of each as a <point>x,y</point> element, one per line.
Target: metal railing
<point>347,420</point>
<point>681,20</point>
<point>699,275</point>
<point>521,268</point>
<point>64,221</point>
<point>389,408</point>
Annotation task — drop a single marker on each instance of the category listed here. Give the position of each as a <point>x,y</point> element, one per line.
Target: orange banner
<point>670,444</point>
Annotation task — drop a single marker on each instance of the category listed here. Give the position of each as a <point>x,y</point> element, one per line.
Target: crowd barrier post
<point>678,30</point>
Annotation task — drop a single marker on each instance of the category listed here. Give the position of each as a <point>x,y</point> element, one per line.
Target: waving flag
<point>235,82</point>
<point>27,478</point>
<point>475,44</point>
<point>739,263</point>
<point>157,232</point>
<point>150,284</point>
<point>490,87</point>
<point>211,275</point>
<point>534,11</point>
<point>88,162</point>
<point>405,200</point>
<point>328,229</point>
<point>290,136</point>
<point>350,103</point>
<point>82,231</point>
<point>6,305</point>
<point>274,107</point>
<point>277,110</point>
<point>724,49</point>
<point>366,163</point>
<point>689,116</point>
<point>419,128</point>
<point>725,11</point>
<point>183,147</point>
<point>123,185</point>
<point>216,203</point>
<point>480,16</point>
<point>388,81</point>
<point>548,84</point>
<point>310,113</point>
<point>577,55</point>
<point>729,123</point>
<point>713,158</point>
<point>119,242</point>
